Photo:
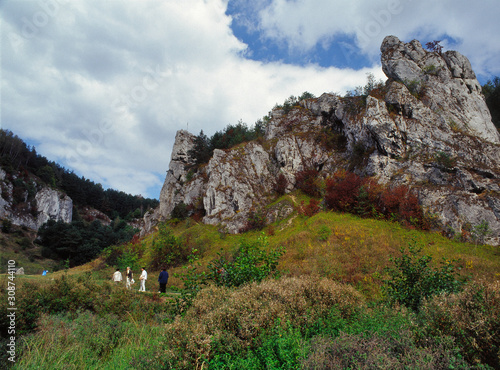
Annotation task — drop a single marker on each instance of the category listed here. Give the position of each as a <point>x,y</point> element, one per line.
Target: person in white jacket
<point>117,276</point>
<point>143,278</point>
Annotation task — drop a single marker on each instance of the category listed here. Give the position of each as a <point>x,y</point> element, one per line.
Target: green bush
<point>280,348</point>
<point>445,160</point>
<point>412,278</point>
<point>6,226</point>
<point>251,262</point>
<point>166,250</point>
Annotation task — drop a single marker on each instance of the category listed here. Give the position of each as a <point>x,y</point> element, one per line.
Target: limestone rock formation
<point>53,205</point>
<point>47,204</point>
<point>176,187</point>
<point>428,127</point>
<point>233,190</point>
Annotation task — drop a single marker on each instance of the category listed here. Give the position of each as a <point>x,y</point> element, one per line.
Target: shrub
<point>251,262</point>
<point>281,184</point>
<point>341,191</point>
<point>331,140</point>
<point>166,250</point>
<point>6,226</point>
<point>180,211</point>
<point>412,279</point>
<point>279,348</point>
<point>445,160</point>
<point>471,317</point>
<point>310,209</point>
<point>307,180</point>
<point>256,221</point>
<point>348,192</point>
<point>223,321</point>
<point>324,233</point>
<point>358,351</point>
<point>400,203</point>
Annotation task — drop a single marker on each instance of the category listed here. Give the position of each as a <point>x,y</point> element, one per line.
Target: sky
<point>102,86</point>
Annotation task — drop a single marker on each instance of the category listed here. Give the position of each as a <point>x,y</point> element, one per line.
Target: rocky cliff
<point>428,127</point>
<point>32,207</point>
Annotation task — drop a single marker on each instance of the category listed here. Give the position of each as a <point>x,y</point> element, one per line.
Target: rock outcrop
<point>33,211</point>
<point>428,127</point>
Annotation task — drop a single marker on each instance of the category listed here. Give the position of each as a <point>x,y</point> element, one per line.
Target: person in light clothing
<point>130,277</point>
<point>117,276</point>
<point>143,278</point>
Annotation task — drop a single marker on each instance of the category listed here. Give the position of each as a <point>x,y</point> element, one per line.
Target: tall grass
<point>325,311</point>
<point>294,322</point>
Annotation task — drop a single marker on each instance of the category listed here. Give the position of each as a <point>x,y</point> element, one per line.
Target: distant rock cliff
<point>428,127</point>
<point>33,211</point>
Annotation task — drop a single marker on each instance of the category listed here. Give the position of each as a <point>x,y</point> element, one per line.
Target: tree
<point>202,150</point>
<point>434,46</point>
<point>491,91</point>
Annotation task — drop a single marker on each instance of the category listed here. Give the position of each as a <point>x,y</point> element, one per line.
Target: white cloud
<point>304,23</point>
<point>104,86</point>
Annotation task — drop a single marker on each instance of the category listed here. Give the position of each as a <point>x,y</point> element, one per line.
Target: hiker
<point>130,277</point>
<point>163,280</point>
<point>143,278</point>
<point>117,276</point>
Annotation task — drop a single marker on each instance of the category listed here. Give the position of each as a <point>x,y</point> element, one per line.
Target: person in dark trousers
<point>163,280</point>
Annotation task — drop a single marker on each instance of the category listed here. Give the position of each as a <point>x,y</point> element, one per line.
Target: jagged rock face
<point>176,188</point>
<point>53,205</point>
<point>48,204</point>
<point>239,180</point>
<point>429,128</point>
<point>446,82</point>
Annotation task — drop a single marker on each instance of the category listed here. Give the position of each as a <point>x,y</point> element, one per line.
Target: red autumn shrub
<point>256,221</point>
<point>400,203</point>
<point>281,184</point>
<point>348,192</point>
<point>311,209</point>
<point>307,180</point>
<point>342,190</point>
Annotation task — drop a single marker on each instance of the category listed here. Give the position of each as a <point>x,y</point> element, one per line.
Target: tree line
<point>233,135</point>
<point>491,91</point>
<point>16,156</point>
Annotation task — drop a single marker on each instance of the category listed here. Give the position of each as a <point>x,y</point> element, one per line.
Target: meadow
<point>326,307</point>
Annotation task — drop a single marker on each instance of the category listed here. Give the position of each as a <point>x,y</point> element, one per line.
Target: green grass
<point>355,250</point>
<point>84,321</point>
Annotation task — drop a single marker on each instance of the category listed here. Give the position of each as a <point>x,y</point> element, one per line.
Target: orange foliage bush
<point>363,196</point>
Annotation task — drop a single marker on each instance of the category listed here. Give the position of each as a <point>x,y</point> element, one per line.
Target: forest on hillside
<point>491,91</point>
<point>16,156</point>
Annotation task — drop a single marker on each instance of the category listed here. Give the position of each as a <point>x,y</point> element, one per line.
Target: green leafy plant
<point>166,249</point>
<point>193,280</point>
<point>415,87</point>
<point>480,232</point>
<point>251,262</point>
<point>431,70</point>
<point>412,278</point>
<point>445,160</point>
<point>324,233</point>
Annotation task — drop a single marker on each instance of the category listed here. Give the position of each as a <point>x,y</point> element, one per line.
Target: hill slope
<point>427,128</point>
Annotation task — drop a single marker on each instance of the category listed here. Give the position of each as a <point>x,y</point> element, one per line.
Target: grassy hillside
<point>17,243</point>
<point>342,247</point>
<point>326,311</point>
